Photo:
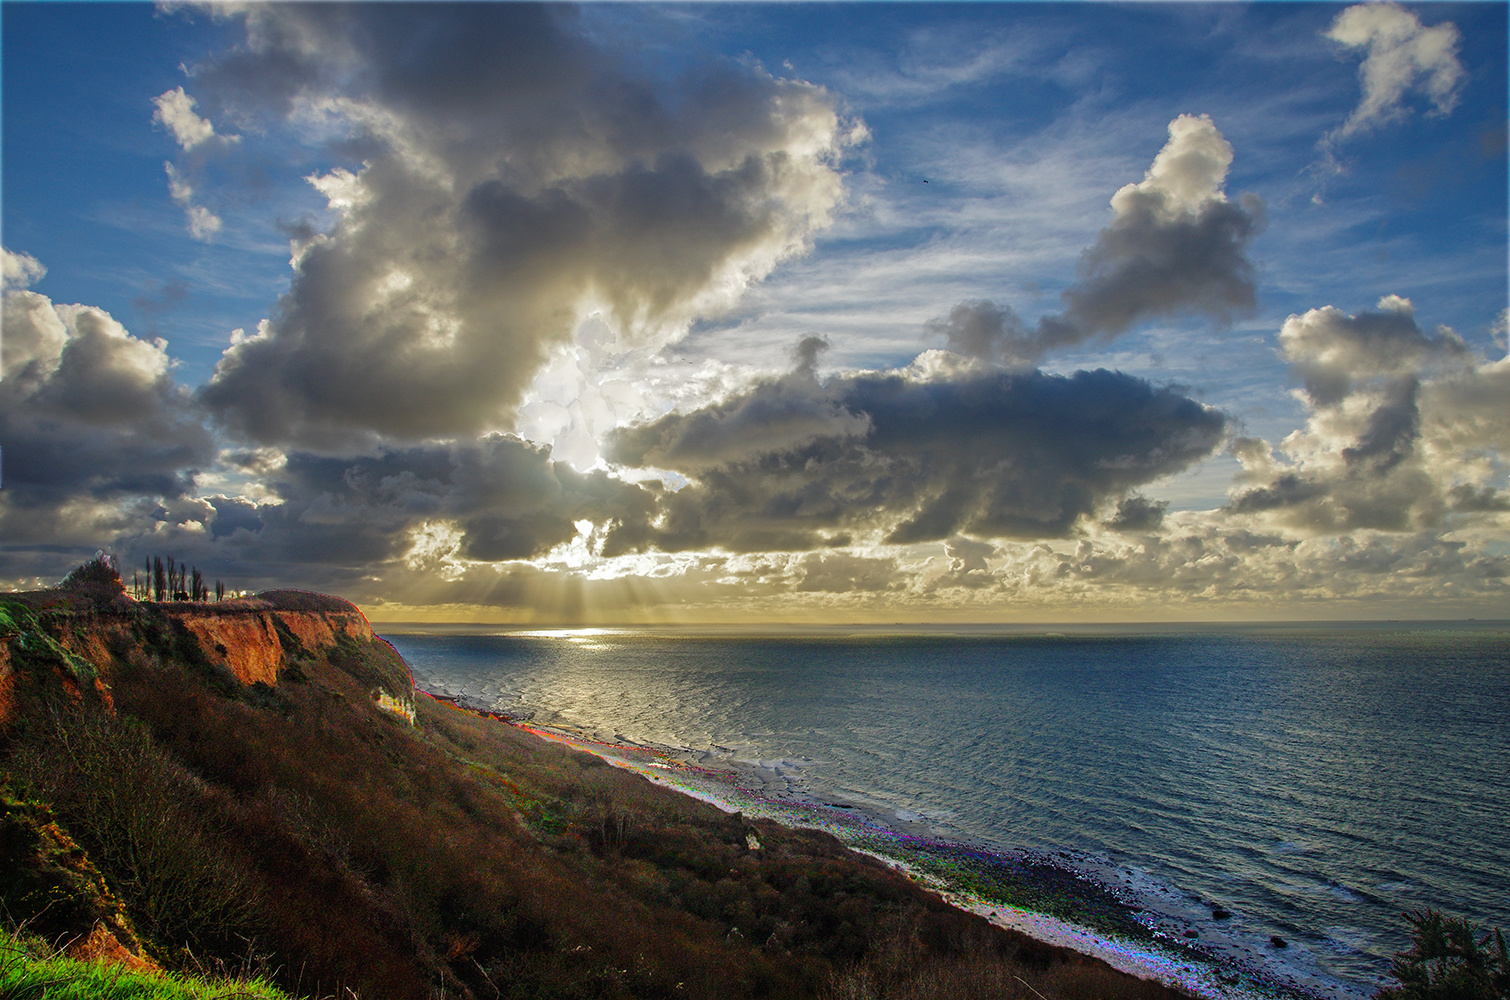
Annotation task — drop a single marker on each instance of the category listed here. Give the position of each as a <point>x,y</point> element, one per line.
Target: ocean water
<point>1313,780</point>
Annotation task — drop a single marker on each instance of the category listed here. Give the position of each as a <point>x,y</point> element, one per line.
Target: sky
<point>762,313</point>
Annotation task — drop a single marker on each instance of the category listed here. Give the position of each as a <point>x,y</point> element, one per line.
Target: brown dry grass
<point>467,858</point>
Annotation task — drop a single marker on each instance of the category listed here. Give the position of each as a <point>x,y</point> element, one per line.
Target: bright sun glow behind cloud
<point>844,313</point>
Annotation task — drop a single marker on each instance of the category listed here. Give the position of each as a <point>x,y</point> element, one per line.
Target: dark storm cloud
<point>90,420</point>
<point>1175,244</point>
<point>515,177</point>
<point>1138,513</point>
<point>505,497</point>
<point>916,459</point>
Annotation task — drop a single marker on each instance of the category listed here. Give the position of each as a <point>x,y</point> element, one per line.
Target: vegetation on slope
<point>346,851</point>
<point>301,830</point>
<point>31,969</point>
<point>1450,959</point>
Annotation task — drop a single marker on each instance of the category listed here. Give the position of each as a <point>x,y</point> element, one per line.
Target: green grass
<point>29,969</point>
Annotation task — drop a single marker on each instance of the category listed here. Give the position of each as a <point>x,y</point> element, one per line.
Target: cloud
<point>1330,350</point>
<point>491,500</point>
<point>1138,513</point>
<point>1403,435</point>
<point>968,565</point>
<point>21,270</point>
<point>175,111</point>
<point>1401,55</point>
<point>843,573</point>
<point>90,417</point>
<point>516,178</point>
<point>203,223</point>
<point>981,329</point>
<point>1175,244</point>
<point>1209,566</point>
<point>908,456</point>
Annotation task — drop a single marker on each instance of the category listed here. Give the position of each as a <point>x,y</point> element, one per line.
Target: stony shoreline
<point>1043,897</point>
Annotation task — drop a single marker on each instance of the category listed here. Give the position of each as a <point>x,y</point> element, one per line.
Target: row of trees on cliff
<point>167,580</point>
<point>172,581</point>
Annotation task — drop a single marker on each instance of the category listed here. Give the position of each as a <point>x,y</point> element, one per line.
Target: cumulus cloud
<point>1175,244</point>
<point>516,178</point>
<point>90,416</point>
<point>907,457</point>
<point>1402,435</point>
<point>494,499</point>
<point>843,573</point>
<point>1400,55</point>
<point>1138,513</point>
<point>21,270</point>
<point>1331,350</point>
<point>1207,565</point>
<point>981,329</point>
<point>969,565</point>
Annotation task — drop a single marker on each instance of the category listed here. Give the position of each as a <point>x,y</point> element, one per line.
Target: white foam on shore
<point>1146,961</point>
<point>769,789</point>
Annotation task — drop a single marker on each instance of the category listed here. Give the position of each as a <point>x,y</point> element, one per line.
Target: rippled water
<point>1314,780</point>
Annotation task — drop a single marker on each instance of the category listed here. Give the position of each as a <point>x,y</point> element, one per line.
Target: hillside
<point>255,785</point>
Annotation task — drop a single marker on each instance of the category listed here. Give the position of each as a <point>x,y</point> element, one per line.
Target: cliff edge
<point>63,641</point>
<point>252,783</point>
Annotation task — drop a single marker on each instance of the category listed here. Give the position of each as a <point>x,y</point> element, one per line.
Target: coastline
<point>1148,947</point>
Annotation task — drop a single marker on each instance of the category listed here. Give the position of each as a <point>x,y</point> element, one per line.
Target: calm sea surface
<point>1314,780</point>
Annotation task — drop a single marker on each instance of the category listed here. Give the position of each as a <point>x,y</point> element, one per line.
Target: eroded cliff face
<point>250,644</point>
<point>260,640</point>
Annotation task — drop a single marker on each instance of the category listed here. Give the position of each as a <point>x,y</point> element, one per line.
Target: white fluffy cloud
<point>1401,55</point>
<point>175,111</point>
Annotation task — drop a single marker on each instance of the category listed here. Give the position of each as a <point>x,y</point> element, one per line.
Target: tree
<point>1450,959</point>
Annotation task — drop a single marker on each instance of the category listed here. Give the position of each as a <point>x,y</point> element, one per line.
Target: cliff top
<point>98,600</point>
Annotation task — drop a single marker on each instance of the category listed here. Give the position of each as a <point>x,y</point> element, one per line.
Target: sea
<point>1230,784</point>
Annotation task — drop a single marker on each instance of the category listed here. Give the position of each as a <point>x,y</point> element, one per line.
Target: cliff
<point>254,782</point>
<point>61,642</point>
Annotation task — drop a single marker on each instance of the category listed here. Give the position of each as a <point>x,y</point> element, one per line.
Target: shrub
<point>98,573</point>
<point>1450,959</point>
<point>144,821</point>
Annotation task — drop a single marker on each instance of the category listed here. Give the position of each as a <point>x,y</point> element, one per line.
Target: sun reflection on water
<point>580,638</point>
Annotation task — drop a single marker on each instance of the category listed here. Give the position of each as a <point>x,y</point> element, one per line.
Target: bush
<point>98,573</point>
<point>145,822</point>
<point>1450,959</point>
